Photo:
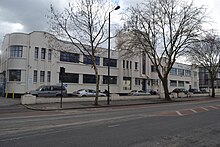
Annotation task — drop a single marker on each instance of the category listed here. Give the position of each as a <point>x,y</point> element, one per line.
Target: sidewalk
<point>103,104</point>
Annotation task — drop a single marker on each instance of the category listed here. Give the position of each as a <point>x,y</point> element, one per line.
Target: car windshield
<point>39,88</point>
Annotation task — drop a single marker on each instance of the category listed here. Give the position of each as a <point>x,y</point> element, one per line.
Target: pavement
<point>13,103</point>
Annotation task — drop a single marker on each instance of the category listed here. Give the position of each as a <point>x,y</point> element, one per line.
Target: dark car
<point>152,92</point>
<point>194,90</point>
<point>179,90</point>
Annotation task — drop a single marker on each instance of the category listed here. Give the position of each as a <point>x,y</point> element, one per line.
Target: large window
<point>173,83</point>
<point>49,55</point>
<point>137,81</point>
<point>69,57</point>
<point>43,53</point>
<point>42,74</point>
<point>136,65</point>
<point>153,68</point>
<point>70,78</point>
<point>173,71</point>
<point>180,72</point>
<point>127,83</point>
<point>154,82</point>
<point>113,62</point>
<point>112,80</point>
<point>88,60</point>
<point>187,73</point>
<point>48,76</point>
<point>89,79</point>
<point>16,51</point>
<point>14,75</point>
<point>35,76</point>
<point>181,83</point>
<point>36,51</point>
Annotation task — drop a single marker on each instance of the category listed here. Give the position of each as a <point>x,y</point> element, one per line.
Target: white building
<point>31,60</point>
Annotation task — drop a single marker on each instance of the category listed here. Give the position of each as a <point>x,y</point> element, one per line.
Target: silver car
<point>49,91</point>
<point>87,92</point>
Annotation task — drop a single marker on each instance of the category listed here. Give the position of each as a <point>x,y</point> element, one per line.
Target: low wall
<point>29,99</point>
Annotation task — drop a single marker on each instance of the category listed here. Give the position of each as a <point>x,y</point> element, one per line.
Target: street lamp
<point>109,30</point>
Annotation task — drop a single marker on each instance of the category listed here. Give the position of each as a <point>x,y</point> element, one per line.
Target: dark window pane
<point>89,79</point>
<point>113,62</point>
<point>112,80</point>
<point>69,57</point>
<point>14,75</point>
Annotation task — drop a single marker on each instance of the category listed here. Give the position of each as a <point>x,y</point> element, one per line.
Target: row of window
<point>16,51</point>
<point>42,76</point>
<point>174,83</point>
<point>180,72</point>
<point>73,57</point>
<point>87,78</point>
<point>43,53</point>
<point>128,64</point>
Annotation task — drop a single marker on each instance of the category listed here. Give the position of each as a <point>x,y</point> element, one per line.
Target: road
<point>161,125</point>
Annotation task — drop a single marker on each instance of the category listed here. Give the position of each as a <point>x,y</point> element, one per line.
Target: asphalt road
<point>161,125</point>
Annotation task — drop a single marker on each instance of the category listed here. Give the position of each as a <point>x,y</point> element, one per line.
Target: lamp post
<point>109,32</point>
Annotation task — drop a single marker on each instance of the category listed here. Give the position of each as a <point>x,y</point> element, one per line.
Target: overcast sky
<point>30,15</point>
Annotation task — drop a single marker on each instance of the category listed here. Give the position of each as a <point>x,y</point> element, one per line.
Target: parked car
<point>203,90</point>
<point>87,92</point>
<point>152,92</point>
<point>49,91</point>
<point>179,90</point>
<point>194,90</point>
<point>138,93</point>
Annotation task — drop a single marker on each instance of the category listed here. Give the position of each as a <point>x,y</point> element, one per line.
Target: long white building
<point>31,60</point>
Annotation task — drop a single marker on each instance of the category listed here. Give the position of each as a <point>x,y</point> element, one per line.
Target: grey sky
<point>30,15</point>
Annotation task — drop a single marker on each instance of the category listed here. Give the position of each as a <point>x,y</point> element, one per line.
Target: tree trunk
<point>213,87</point>
<point>166,90</point>
<point>97,86</point>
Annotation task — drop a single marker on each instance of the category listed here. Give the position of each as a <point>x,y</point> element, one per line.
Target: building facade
<point>31,60</point>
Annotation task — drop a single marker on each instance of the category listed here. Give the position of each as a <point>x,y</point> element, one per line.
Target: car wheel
<point>83,95</point>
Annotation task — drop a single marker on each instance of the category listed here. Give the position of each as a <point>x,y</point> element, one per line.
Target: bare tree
<point>83,24</point>
<point>162,29</point>
<point>206,53</point>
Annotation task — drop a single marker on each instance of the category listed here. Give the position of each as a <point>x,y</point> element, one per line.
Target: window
<point>153,68</point>
<point>89,79</point>
<point>136,65</point>
<point>48,76</point>
<point>42,73</point>
<point>127,83</point>
<point>127,65</point>
<point>16,51</point>
<point>173,71</point>
<point>181,83</point>
<point>88,60</point>
<point>35,76</point>
<point>36,53</point>
<point>195,74</point>
<point>43,53</point>
<point>137,81</point>
<point>112,80</point>
<point>14,75</point>
<point>130,64</point>
<point>180,72</point>
<point>113,62</point>
<point>69,57</point>
<point>187,73</point>
<point>123,63</point>
<point>144,63</point>
<point>154,82</point>
<point>49,55</point>
<point>173,83</point>
<point>70,78</point>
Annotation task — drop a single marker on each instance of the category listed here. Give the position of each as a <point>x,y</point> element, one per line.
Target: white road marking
<point>180,114</point>
<point>193,110</point>
<point>112,126</point>
<point>213,107</point>
<point>204,109</point>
